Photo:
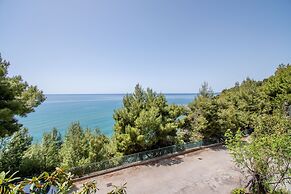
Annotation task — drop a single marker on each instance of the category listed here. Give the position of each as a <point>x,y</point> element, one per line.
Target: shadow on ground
<point>167,162</point>
<point>218,148</point>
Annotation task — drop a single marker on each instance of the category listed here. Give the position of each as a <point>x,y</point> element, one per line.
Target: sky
<point>108,46</point>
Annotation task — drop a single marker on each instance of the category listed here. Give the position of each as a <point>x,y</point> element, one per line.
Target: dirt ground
<point>205,171</point>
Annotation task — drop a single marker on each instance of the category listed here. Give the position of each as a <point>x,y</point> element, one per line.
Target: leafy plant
<point>38,185</point>
<point>7,182</point>
<point>238,191</point>
<point>41,184</point>
<point>265,159</point>
<point>119,189</point>
<point>88,188</point>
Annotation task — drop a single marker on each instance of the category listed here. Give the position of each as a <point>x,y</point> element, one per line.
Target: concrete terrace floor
<point>204,171</point>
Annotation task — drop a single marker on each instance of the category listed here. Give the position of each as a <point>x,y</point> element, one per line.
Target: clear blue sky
<point>91,46</point>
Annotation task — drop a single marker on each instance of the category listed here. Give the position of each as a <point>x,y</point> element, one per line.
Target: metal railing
<point>136,157</point>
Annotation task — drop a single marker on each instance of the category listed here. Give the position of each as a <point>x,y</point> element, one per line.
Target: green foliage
<point>44,156</point>
<point>119,189</point>
<point>240,107</point>
<point>51,144</point>
<point>12,150</point>
<point>263,107</point>
<point>32,162</point>
<point>79,147</point>
<point>6,182</point>
<point>239,191</point>
<point>82,147</point>
<point>41,184</point>
<point>280,191</point>
<point>91,188</point>
<point>38,185</point>
<point>145,122</point>
<point>265,157</point>
<point>206,91</point>
<point>17,99</point>
<point>201,121</point>
<point>88,188</point>
<point>270,124</point>
<point>73,150</point>
<point>278,89</point>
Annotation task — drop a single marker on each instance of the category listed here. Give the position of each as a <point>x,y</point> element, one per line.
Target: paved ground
<point>205,171</point>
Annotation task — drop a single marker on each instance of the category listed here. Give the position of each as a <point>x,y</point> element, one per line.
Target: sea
<point>90,110</point>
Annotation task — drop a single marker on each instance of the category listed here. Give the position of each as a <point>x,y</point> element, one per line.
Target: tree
<point>97,145</point>
<point>266,157</point>
<point>201,121</point>
<point>32,161</point>
<point>206,91</point>
<point>51,145</point>
<point>72,151</point>
<point>82,147</point>
<point>44,156</point>
<point>145,122</point>
<point>210,116</point>
<point>13,150</point>
<point>278,90</point>
<point>17,99</point>
<point>239,107</point>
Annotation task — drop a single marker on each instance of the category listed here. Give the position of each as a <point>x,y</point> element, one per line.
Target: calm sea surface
<point>91,110</point>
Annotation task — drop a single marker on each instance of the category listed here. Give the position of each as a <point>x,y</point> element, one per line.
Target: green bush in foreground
<point>42,183</point>
<point>38,185</point>
<point>238,191</point>
<point>265,159</point>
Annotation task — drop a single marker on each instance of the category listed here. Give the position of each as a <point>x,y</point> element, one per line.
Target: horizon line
<point>181,93</point>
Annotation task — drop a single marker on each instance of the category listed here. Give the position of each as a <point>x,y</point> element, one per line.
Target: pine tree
<point>146,121</point>
<point>13,150</point>
<point>17,98</point>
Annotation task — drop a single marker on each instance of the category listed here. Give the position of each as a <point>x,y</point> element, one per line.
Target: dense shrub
<point>265,158</point>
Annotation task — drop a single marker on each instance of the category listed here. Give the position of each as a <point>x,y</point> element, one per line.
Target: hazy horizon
<point>115,93</point>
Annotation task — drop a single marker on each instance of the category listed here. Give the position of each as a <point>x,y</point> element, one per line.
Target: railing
<point>140,156</point>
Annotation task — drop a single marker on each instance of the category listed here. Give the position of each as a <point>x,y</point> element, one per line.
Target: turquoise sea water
<point>91,110</point>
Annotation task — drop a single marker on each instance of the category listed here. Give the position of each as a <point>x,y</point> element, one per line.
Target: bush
<point>238,191</point>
